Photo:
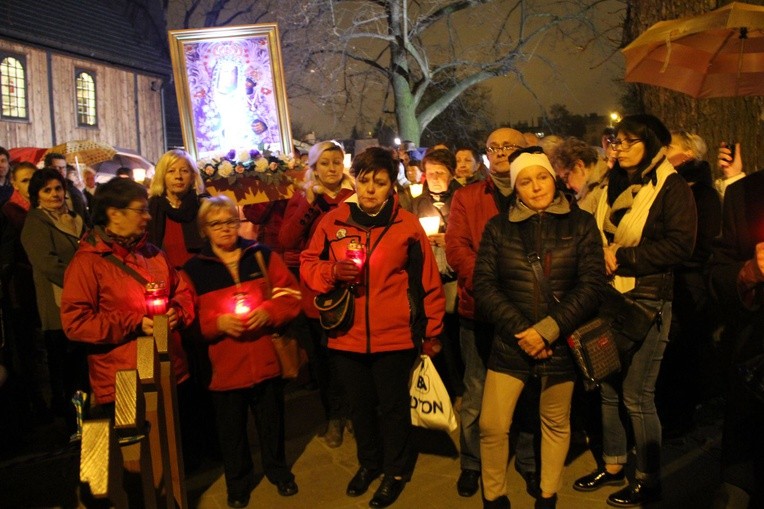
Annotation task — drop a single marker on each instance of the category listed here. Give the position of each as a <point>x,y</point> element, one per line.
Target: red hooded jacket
<point>101,304</point>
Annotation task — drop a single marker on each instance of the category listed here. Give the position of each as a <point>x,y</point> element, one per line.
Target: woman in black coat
<point>530,330</point>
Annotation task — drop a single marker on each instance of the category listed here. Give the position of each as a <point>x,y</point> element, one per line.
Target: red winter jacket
<point>242,362</point>
<point>300,221</point>
<point>400,301</point>
<point>103,305</point>
<point>471,208</point>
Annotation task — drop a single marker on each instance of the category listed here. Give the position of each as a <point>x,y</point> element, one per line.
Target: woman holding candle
<point>50,236</point>
<point>327,185</point>
<point>246,293</point>
<point>375,354</point>
<point>108,299</point>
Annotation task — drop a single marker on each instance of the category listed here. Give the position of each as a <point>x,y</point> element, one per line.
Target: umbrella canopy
<point>87,152</point>
<point>717,54</point>
<point>26,154</point>
<point>122,159</point>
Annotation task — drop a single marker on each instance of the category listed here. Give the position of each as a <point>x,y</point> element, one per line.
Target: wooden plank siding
<point>127,108</point>
<point>36,130</point>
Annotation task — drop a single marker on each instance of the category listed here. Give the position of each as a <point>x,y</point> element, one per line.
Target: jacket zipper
<point>367,278</point>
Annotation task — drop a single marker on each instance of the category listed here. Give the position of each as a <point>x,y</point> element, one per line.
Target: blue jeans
<point>474,380</point>
<point>636,388</point>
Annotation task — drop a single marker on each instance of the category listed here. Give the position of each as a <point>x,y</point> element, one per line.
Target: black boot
<point>546,503</point>
<point>500,503</point>
<point>635,494</point>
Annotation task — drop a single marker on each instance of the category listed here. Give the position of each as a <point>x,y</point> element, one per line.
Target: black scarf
<point>160,209</point>
<point>382,218</point>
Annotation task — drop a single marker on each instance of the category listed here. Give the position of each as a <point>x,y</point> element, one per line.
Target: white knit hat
<point>527,160</point>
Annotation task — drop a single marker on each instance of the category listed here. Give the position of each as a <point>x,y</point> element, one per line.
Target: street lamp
<point>397,141</point>
<point>614,118</point>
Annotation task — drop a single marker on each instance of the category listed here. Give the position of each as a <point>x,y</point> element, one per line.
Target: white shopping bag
<point>430,404</point>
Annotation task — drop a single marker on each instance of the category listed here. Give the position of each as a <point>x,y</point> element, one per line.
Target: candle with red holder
<point>356,253</point>
<point>157,298</point>
<point>242,305</point>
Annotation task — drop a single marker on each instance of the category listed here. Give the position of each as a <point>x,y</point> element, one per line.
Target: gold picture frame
<point>231,91</point>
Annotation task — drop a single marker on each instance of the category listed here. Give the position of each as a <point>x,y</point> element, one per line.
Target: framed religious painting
<point>233,109</point>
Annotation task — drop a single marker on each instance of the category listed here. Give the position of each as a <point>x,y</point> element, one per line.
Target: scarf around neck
<point>503,183</point>
<point>160,209</point>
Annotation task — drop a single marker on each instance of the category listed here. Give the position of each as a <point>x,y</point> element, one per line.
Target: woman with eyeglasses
<point>246,293</point>
<point>50,236</point>
<point>104,302</point>
<point>581,168</point>
<point>648,220</point>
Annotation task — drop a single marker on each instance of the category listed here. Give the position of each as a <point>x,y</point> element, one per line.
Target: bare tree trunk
<point>716,120</point>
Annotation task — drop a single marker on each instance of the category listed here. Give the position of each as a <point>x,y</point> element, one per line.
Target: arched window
<point>13,86</point>
<point>86,99</point>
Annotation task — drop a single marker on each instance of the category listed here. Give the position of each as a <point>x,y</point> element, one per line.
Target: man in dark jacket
<point>471,208</point>
<point>737,282</point>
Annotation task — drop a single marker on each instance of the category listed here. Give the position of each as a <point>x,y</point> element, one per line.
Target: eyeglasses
<point>504,148</point>
<point>624,144</point>
<point>223,225</point>
<point>141,211</point>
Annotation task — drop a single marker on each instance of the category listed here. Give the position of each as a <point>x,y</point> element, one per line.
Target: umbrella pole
<point>743,36</point>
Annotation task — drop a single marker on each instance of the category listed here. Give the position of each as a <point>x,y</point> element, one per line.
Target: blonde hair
<point>169,158</point>
<point>213,204</point>
<point>319,148</point>
<point>692,142</point>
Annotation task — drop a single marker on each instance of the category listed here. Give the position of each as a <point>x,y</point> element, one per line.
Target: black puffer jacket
<point>507,294</point>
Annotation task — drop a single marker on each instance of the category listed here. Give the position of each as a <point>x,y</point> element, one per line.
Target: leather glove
<point>345,270</point>
<point>431,347</point>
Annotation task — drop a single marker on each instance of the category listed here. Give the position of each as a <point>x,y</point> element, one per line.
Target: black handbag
<point>629,319</point>
<point>336,308</point>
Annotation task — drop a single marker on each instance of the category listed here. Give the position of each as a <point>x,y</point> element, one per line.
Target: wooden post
<point>148,371</point>
<point>101,462</point>
<point>170,402</point>
<point>130,425</point>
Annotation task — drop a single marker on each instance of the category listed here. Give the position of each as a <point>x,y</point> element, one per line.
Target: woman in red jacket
<point>102,304</point>
<point>245,294</point>
<point>375,353</point>
<point>327,185</point>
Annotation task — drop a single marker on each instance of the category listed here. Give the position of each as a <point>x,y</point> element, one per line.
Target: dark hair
<point>39,180</point>
<point>118,193</point>
<point>440,156</point>
<point>50,156</point>
<point>23,165</point>
<point>375,159</point>
<point>650,130</point>
<point>124,171</point>
<point>474,152</point>
<point>4,152</point>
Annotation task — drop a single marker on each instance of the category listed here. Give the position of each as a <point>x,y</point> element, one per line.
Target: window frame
<point>22,59</point>
<point>78,71</point>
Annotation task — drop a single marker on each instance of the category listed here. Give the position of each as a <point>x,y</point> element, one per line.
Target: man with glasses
<point>471,208</point>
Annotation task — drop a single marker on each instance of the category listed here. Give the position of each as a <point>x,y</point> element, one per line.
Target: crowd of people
<point>498,264</point>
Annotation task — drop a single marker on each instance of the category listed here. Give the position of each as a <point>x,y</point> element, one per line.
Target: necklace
<point>375,214</point>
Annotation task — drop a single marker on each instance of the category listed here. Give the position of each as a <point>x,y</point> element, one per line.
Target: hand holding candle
<point>430,224</point>
<point>156,298</point>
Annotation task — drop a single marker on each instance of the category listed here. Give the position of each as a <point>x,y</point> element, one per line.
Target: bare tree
<point>389,58</point>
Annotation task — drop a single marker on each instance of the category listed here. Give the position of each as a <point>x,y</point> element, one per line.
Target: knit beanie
<point>527,160</point>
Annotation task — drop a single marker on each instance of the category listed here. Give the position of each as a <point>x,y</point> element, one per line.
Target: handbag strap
<point>131,272</point>
<point>264,270</point>
<point>535,261</point>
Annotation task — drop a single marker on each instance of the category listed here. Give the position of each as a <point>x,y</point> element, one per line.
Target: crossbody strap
<point>131,272</point>
<point>535,261</point>
<point>264,270</point>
